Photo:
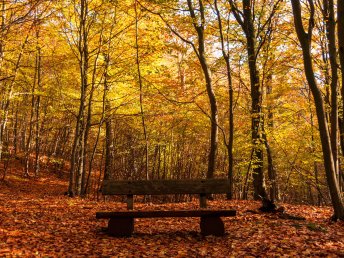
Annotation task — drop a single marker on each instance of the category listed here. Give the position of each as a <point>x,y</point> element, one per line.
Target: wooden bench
<point>121,223</point>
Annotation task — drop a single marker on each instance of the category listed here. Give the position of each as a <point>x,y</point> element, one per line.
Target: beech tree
<point>254,30</point>
<point>340,38</point>
<point>305,39</point>
<point>226,57</point>
<point>108,89</point>
<point>12,16</point>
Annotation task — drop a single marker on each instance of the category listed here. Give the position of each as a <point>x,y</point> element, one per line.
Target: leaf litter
<point>37,220</point>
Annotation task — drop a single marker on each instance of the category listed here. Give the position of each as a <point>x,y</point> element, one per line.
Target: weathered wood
<point>212,226</point>
<point>130,202</point>
<point>122,222</point>
<point>203,200</point>
<point>122,227</point>
<point>157,214</point>
<point>158,187</point>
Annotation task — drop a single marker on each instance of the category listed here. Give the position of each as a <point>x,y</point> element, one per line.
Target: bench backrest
<point>159,187</point>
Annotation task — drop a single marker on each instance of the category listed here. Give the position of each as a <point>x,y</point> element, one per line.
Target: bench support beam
<point>203,201</point>
<point>130,202</point>
<point>212,226</point>
<point>124,227</point>
<point>121,227</point>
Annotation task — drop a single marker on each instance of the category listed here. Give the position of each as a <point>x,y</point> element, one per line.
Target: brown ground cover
<point>37,220</point>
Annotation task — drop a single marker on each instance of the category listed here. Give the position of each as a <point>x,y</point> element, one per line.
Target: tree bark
<point>78,151</point>
<point>38,103</point>
<point>3,117</point>
<point>340,33</point>
<point>329,18</point>
<point>109,150</point>
<point>139,79</point>
<point>305,41</point>
<point>200,51</point>
<point>256,97</point>
<point>229,145</point>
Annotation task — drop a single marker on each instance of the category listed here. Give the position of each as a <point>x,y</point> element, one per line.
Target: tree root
<point>270,207</point>
<point>288,216</point>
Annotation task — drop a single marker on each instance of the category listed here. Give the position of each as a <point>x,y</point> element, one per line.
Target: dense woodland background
<point>166,89</point>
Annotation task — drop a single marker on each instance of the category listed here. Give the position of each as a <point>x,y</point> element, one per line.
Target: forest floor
<point>37,220</point>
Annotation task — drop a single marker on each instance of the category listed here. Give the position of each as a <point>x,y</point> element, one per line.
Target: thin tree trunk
<point>331,38</point>
<point>78,151</point>
<point>28,143</point>
<point>273,192</point>
<point>340,33</point>
<point>2,54</point>
<point>315,165</point>
<point>143,120</point>
<point>8,92</point>
<point>273,185</point>
<point>229,146</point>
<point>109,143</point>
<point>15,131</point>
<point>33,112</point>
<point>37,107</point>
<point>200,51</point>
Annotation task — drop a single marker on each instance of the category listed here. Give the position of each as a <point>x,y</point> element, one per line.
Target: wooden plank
<point>203,201</point>
<point>130,202</point>
<point>212,226</point>
<point>121,227</point>
<point>144,187</point>
<point>158,214</point>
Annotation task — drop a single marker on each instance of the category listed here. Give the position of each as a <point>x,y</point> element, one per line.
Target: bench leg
<point>121,227</point>
<point>212,226</point>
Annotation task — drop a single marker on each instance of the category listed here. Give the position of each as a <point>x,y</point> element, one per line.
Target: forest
<point>249,91</point>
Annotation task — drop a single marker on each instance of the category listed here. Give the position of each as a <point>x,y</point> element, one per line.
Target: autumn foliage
<point>250,91</point>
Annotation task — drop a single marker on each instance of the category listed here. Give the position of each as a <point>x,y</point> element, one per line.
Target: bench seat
<point>165,213</point>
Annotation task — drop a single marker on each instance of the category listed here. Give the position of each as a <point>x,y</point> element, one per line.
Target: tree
<point>199,26</point>
<point>140,83</point>
<point>77,170</point>
<point>229,145</point>
<point>340,32</point>
<point>246,18</point>
<point>12,15</point>
<point>197,20</point>
<point>305,39</point>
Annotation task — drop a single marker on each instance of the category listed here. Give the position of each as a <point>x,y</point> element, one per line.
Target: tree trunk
<point>273,189</point>
<point>200,51</point>
<point>305,41</point>
<point>3,84</point>
<point>139,79</point>
<point>256,97</point>
<point>229,146</point>
<point>9,86</point>
<point>15,131</point>
<point>37,106</point>
<point>28,143</point>
<point>340,33</point>
<point>331,38</point>
<point>78,151</point>
<point>109,143</point>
